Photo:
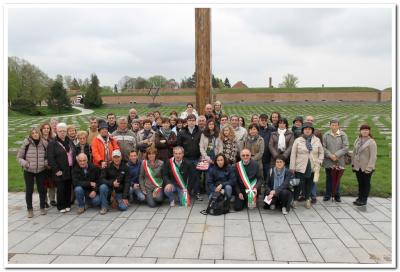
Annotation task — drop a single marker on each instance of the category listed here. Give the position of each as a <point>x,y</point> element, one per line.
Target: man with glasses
<point>248,181</point>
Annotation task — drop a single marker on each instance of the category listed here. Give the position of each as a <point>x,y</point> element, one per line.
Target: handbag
<point>347,155</point>
<point>294,182</point>
<point>202,166</point>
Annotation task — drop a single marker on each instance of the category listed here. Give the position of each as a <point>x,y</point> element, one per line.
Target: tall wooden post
<point>203,58</point>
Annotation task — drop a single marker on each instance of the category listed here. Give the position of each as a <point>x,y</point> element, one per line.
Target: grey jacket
<point>145,183</point>
<point>364,157</point>
<point>204,144</point>
<point>36,159</point>
<point>256,148</point>
<point>126,141</point>
<point>338,146</point>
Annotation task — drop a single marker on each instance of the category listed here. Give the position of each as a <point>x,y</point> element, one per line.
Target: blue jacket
<point>134,171</point>
<point>218,176</point>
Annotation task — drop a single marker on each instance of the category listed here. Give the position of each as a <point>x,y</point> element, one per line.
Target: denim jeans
<point>121,204</point>
<point>227,189</point>
<point>153,201</point>
<point>171,195</point>
<point>137,194</point>
<point>82,196</point>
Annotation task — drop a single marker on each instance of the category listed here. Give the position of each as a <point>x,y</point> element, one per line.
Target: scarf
<point>146,133</point>
<point>282,140</point>
<point>362,142</point>
<point>166,132</point>
<point>308,142</point>
<point>278,177</point>
<point>65,143</point>
<point>36,142</point>
<point>105,141</point>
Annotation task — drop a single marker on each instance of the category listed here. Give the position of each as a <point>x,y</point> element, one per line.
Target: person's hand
<point>116,184</point>
<point>92,194</point>
<point>218,188</point>
<point>255,191</point>
<point>241,196</point>
<point>93,184</point>
<point>59,173</point>
<point>272,192</point>
<point>103,164</point>
<point>169,188</point>
<point>163,141</point>
<point>136,185</point>
<point>333,157</point>
<point>144,192</point>
<point>269,197</point>
<point>126,202</point>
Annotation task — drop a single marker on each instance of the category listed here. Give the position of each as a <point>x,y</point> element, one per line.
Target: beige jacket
<point>300,155</point>
<point>364,158</point>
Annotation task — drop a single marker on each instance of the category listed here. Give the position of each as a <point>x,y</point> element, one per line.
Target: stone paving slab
<point>328,233</point>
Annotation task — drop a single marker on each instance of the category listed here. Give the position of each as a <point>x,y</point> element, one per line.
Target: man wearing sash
<point>179,175</point>
<point>248,181</point>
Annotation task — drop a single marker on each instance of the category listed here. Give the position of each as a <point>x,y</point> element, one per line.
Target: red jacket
<point>98,149</point>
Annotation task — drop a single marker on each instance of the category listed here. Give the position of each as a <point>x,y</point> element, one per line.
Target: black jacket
<point>270,181</point>
<point>217,176</point>
<point>58,160</point>
<point>265,133</point>
<point>187,171</point>
<point>252,171</point>
<point>111,173</point>
<point>79,178</point>
<point>190,142</point>
<point>87,150</point>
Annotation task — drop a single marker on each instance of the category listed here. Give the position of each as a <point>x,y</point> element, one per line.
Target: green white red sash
<point>152,177</point>
<point>249,184</point>
<point>185,199</point>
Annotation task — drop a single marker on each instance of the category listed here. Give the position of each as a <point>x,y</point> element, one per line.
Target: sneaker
<point>313,200</point>
<point>357,200</point>
<point>337,199</point>
<point>43,212</point>
<point>284,211</point>
<point>295,204</point>
<point>326,198</point>
<point>272,207</point>
<point>103,211</point>
<point>199,197</point>
<point>30,213</point>
<point>46,205</point>
<point>63,211</point>
<point>308,204</point>
<point>172,203</point>
<point>67,209</point>
<point>53,203</point>
<point>80,210</point>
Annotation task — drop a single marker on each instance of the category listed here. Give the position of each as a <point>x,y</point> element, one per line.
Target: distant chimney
<point>270,82</point>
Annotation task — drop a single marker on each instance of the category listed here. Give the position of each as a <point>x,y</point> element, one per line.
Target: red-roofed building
<point>239,85</point>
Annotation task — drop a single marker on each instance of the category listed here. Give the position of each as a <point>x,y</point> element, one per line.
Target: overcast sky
<point>335,47</point>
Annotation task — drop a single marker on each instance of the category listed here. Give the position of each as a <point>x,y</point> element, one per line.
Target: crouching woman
<point>277,186</point>
<point>150,178</point>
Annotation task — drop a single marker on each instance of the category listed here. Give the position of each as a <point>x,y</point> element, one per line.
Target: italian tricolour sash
<point>249,184</point>
<point>185,199</point>
<point>152,177</point>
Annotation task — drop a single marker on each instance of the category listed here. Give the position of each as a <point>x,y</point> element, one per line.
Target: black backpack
<point>217,205</point>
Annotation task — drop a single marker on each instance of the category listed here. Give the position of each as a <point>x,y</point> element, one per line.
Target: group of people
<point>151,158</point>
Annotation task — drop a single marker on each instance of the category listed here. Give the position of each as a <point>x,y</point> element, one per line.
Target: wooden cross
<point>203,58</point>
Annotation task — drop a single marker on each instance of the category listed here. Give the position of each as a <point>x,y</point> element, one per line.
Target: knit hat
<point>298,118</point>
<point>307,125</point>
<point>102,124</point>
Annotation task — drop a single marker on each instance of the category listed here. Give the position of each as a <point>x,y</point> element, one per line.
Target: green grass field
<point>378,115</point>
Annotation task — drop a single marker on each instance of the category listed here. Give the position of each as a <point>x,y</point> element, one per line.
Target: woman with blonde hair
<point>227,144</point>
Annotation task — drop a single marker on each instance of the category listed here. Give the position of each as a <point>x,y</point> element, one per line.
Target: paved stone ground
<point>329,233</point>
